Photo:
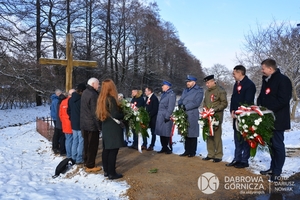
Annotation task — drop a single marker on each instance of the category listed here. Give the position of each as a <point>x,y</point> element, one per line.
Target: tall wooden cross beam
<point>68,62</point>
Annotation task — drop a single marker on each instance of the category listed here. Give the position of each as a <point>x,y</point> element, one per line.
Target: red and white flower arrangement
<point>256,125</point>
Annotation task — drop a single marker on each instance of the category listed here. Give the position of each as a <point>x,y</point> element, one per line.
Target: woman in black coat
<point>109,112</point>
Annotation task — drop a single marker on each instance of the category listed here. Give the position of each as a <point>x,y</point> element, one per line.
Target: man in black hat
<point>216,98</point>
<point>190,101</point>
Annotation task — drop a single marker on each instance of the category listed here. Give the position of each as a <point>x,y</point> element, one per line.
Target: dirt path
<point>177,177</point>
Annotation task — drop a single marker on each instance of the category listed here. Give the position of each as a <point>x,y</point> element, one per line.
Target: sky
<point>27,162</point>
<point>214,30</point>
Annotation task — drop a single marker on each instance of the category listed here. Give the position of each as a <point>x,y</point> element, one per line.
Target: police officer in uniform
<point>190,101</point>
<point>164,124</point>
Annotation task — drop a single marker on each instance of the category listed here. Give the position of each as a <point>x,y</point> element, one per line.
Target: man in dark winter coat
<point>275,94</point>
<point>90,124</point>
<point>152,108</point>
<point>190,101</point>
<point>164,124</point>
<point>243,93</point>
<point>74,113</point>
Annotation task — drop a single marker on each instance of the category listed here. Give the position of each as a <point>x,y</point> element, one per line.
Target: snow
<point>27,162</point>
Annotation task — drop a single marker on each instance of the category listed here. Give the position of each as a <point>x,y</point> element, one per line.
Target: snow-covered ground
<point>27,162</point>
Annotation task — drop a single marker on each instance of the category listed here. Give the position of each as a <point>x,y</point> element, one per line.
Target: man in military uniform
<point>216,98</point>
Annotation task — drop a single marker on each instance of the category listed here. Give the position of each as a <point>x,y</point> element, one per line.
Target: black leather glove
<point>166,120</point>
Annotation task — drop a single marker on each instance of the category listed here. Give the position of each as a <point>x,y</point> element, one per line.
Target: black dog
<point>63,166</point>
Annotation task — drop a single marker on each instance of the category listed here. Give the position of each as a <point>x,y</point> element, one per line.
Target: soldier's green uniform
<point>216,98</point>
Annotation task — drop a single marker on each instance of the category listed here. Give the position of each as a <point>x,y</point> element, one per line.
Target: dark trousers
<point>165,143</point>
<point>153,137</point>
<point>109,159</point>
<point>277,152</point>
<point>190,145</point>
<point>135,138</point>
<point>91,143</point>
<point>55,137</point>
<point>62,141</point>
<point>242,148</point>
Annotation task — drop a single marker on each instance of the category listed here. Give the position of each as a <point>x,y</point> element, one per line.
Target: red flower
<point>239,88</point>
<point>252,144</point>
<point>148,102</point>
<point>212,98</point>
<point>268,90</point>
<point>259,139</point>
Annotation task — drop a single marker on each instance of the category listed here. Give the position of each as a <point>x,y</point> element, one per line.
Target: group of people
<point>95,112</point>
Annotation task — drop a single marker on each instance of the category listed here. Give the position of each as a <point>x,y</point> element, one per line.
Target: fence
<point>45,127</point>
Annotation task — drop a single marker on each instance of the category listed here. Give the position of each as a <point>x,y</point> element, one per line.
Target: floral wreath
<point>256,125</point>
<point>209,121</point>
<point>135,118</point>
<point>179,117</point>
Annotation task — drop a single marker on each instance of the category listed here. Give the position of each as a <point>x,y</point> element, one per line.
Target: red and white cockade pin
<point>268,90</point>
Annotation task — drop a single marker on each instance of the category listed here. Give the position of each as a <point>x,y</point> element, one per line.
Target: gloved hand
<point>166,120</point>
<point>182,106</point>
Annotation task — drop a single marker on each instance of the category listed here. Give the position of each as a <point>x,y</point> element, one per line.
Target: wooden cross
<point>68,62</point>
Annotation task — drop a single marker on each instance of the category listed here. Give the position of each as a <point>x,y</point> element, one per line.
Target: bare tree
<point>280,41</point>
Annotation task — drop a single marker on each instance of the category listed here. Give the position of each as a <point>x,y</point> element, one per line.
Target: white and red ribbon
<point>242,110</point>
<point>208,113</point>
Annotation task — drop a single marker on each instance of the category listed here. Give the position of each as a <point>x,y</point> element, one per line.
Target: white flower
<point>246,130</point>
<point>214,122</point>
<point>256,122</point>
<point>248,113</point>
<point>137,119</point>
<point>201,122</point>
<point>243,121</point>
<point>127,104</point>
<point>245,126</point>
<point>254,128</point>
<point>251,137</point>
<point>260,119</point>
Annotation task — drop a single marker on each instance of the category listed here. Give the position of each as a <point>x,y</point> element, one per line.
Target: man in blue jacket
<point>53,113</point>
<point>243,94</point>
<point>190,101</point>
<point>275,94</point>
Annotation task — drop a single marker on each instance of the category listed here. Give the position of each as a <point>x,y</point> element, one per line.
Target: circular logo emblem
<point>208,183</point>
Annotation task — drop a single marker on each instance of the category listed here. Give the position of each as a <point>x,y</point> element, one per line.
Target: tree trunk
<point>38,98</point>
